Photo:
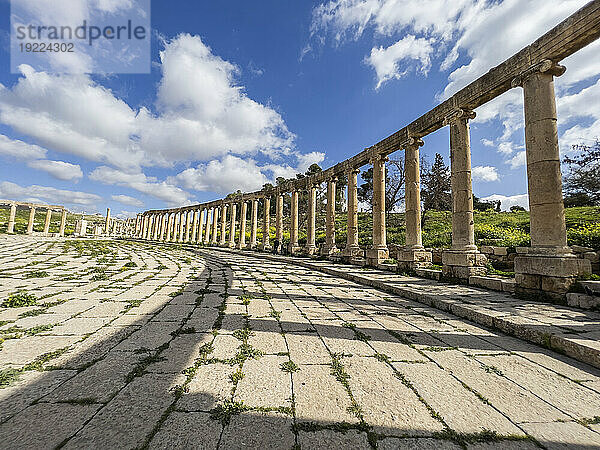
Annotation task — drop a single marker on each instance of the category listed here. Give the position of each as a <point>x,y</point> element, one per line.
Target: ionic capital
<point>545,66</point>
<point>459,114</point>
<point>353,170</point>
<point>379,158</point>
<point>413,142</point>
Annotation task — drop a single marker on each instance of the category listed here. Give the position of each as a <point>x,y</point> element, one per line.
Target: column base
<point>252,246</point>
<point>351,253</point>
<point>413,258</point>
<point>232,245</point>
<point>547,274</point>
<point>376,256</point>
<point>310,250</point>
<point>294,249</point>
<point>462,264</point>
<point>266,248</point>
<point>241,246</point>
<point>327,250</point>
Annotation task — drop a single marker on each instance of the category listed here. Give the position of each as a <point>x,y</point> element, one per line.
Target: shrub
<point>486,234</point>
<point>586,235</point>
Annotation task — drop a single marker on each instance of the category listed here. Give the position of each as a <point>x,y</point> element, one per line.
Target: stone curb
<point>547,336</point>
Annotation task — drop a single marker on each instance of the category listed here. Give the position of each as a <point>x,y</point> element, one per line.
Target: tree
<point>394,185</point>
<point>583,178</point>
<point>485,205</point>
<point>516,208</point>
<point>435,192</point>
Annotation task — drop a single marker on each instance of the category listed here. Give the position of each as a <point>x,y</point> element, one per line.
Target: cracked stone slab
<point>187,430</point>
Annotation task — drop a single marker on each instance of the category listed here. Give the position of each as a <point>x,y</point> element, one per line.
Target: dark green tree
<point>435,191</point>
<point>583,176</point>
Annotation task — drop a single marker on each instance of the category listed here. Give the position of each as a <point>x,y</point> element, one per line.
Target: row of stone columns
<point>547,265</point>
<point>30,223</point>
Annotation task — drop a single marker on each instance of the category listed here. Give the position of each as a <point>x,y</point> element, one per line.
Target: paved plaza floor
<point>134,345</point>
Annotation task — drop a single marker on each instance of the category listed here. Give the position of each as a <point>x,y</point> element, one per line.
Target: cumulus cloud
<point>386,61</point>
<point>201,113</point>
<point>485,173</point>
<point>49,195</point>
<point>127,200</point>
<point>58,169</point>
<point>508,201</point>
<point>19,149</point>
<point>519,160</point>
<point>171,195</point>
<point>231,173</point>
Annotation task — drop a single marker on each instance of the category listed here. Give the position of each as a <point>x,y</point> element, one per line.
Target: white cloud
<point>19,149</point>
<point>202,113</point>
<point>386,61</point>
<point>49,194</point>
<point>508,201</point>
<point>485,173</point>
<point>58,169</point>
<point>519,160</point>
<point>127,200</point>
<point>171,195</point>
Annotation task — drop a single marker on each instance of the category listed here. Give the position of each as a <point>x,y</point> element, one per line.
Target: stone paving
<point>146,346</point>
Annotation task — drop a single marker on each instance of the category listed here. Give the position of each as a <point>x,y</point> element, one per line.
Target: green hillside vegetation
<point>22,218</point>
<point>505,229</point>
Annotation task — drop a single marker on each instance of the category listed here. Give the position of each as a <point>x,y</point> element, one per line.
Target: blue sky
<point>241,92</point>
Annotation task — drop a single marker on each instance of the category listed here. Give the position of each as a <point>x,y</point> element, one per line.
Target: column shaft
<point>11,218</point>
<point>330,246</point>
<point>232,214</point>
<point>208,226</point>
<point>254,224</point>
<point>107,223</point>
<point>243,214</point>
<point>195,226</point>
<point>63,222</point>
<point>279,221</point>
<point>31,220</point>
<point>311,220</point>
<point>188,226</point>
<point>378,251</point>
<point>294,247</point>
<point>222,236</point>
<point>200,226</point>
<point>215,230</point>
<point>47,221</point>
<point>352,248</point>
<point>266,223</point>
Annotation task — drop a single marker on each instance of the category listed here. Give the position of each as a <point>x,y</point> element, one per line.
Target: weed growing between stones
<point>8,377</point>
<point>289,366</point>
<point>19,300</point>
<point>37,274</point>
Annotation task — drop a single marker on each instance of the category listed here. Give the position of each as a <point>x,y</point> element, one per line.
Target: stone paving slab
<point>307,360</point>
<point>525,319</point>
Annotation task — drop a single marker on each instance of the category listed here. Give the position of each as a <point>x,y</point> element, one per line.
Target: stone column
<point>208,226</point>
<point>168,229</point>
<point>31,220</point>
<point>329,247</point>
<point>63,222</point>
<point>311,247</point>
<point>279,221</point>
<point>182,222</point>
<point>107,223</point>
<point>215,225</point>
<point>352,249</point>
<point>223,235</point>
<point>47,221</point>
<point>548,266</point>
<point>462,260</point>
<point>266,246</point>
<point>136,231</point>
<point>188,225</point>
<point>243,214</point>
<point>294,247</point>
<point>163,226</point>
<point>254,224</point>
<point>232,214</point>
<point>175,227</point>
<point>378,251</point>
<point>198,239</point>
<point>157,222</point>
<point>413,255</point>
<point>11,218</point>
<point>144,221</point>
